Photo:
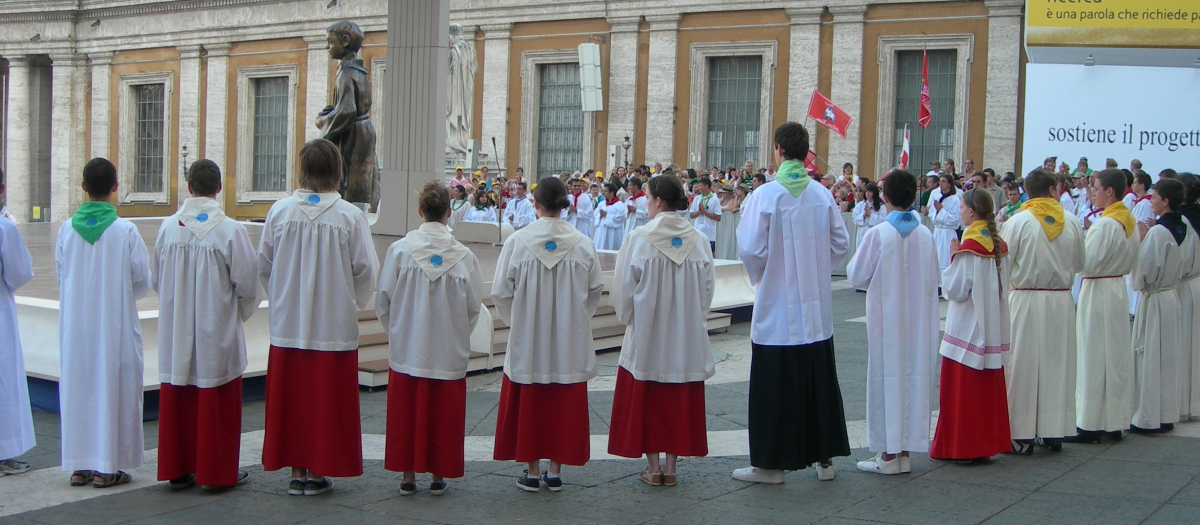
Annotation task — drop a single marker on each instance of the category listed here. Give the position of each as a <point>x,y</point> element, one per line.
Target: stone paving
<point>1150,479</point>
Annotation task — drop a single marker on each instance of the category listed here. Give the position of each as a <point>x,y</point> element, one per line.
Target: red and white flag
<point>810,164</point>
<point>823,110</point>
<point>904,151</point>
<point>925,114</point>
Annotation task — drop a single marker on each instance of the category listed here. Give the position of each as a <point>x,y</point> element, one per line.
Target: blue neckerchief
<point>903,221</point>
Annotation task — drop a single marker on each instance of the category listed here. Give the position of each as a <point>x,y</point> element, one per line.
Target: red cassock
<point>200,432</point>
<point>543,421</point>
<point>657,417</point>
<point>312,412</point>
<point>426,420</point>
<point>973,422</point>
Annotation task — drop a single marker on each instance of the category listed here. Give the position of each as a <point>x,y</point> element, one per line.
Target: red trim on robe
<point>648,416</point>
<point>200,432</point>
<point>973,246</point>
<point>426,425</point>
<point>312,412</point>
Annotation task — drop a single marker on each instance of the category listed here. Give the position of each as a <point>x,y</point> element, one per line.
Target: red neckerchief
<point>1140,199</point>
<point>637,195</point>
<point>575,199</point>
<point>1095,211</point>
<point>1128,191</point>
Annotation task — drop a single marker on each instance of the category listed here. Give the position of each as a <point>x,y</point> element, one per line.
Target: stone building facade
<point>687,81</point>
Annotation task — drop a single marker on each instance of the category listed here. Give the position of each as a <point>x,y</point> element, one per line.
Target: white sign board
<point>1147,113</point>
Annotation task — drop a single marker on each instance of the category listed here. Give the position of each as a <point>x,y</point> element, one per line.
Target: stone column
<point>846,89</point>
<point>66,136</point>
<point>19,164</point>
<point>660,93</point>
<point>1003,68</point>
<point>415,93</point>
<point>495,92</point>
<point>622,83</point>
<point>189,114</point>
<point>215,113</point>
<point>101,82</point>
<point>318,84</point>
<point>804,62</point>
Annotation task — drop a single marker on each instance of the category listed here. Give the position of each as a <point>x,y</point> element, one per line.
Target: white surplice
<point>458,211</point>
<point>205,271</point>
<point>1192,320</point>
<point>611,229</point>
<point>520,212</point>
<point>16,419</point>
<point>546,288</point>
<point>789,246</point>
<point>581,218</point>
<point>662,290</point>
<point>946,223</point>
<point>901,279</point>
<point>865,222</point>
<point>1143,213</point>
<point>1104,391</point>
<point>638,216</point>
<point>1156,329</point>
<point>1188,290</point>
<point>1040,374</point>
<point>978,325</point>
<point>429,301</point>
<point>477,214</point>
<point>100,339</point>
<point>318,265</point>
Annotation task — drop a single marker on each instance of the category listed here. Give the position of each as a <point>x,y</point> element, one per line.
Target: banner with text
<point>1098,112</point>
<point>1100,23</point>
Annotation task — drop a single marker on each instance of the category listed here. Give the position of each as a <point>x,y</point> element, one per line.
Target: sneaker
<point>878,465</point>
<point>825,471</point>
<point>437,488</point>
<point>905,464</point>
<point>759,475</point>
<point>407,489</point>
<point>528,484</point>
<point>243,478</point>
<point>313,488</point>
<point>12,467</point>
<point>554,484</point>
<point>182,482</point>
<point>296,487</point>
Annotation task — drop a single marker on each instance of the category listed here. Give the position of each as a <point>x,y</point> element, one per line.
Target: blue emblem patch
<point>795,176</point>
<point>314,199</point>
<point>551,246</point>
<point>1049,220</point>
<point>202,217</point>
<point>436,260</point>
<point>677,242</point>
<point>985,233</point>
<point>91,222</point>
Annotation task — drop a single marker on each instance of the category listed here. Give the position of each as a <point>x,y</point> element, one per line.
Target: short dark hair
<point>1172,191</point>
<point>434,201</point>
<point>1167,174</point>
<point>760,178</point>
<point>990,172</point>
<point>705,181</point>
<point>670,190</point>
<point>99,175</point>
<point>613,188</point>
<point>204,178</point>
<point>1112,179</point>
<point>844,166</point>
<point>793,138</point>
<point>551,193</point>
<point>523,185</point>
<point>1191,186</point>
<point>636,182</point>
<point>900,187</point>
<point>348,29</point>
<point>1143,178</point>
<point>1038,183</point>
<point>320,166</point>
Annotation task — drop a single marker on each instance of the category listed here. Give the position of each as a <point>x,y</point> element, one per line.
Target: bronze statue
<point>347,122</point>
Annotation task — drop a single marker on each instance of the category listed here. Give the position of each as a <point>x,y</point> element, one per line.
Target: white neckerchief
<point>434,249</point>
<point>672,235</point>
<point>550,239</point>
<point>200,215</point>
<point>314,204</point>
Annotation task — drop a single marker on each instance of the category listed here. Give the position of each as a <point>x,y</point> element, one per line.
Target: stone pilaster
<point>189,115</point>
<point>101,94</point>
<point>622,83</point>
<point>215,107</point>
<point>317,81</point>
<point>846,89</point>
<point>1003,69</point>
<point>18,176</point>
<point>804,62</point>
<point>660,93</point>
<point>66,135</point>
<point>496,40</point>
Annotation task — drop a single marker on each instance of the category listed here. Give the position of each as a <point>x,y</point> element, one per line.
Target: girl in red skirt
<point>665,357</point>
<point>546,288</point>
<point>973,423</point>
<point>429,300</point>
<point>318,266</point>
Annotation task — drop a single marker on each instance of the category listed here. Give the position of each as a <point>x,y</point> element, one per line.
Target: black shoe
<point>1167,427</point>
<point>313,488</point>
<point>1117,435</point>
<point>296,487</point>
<point>554,484</point>
<point>528,484</point>
<point>182,482</point>
<point>1134,429</point>
<point>407,489</point>
<point>437,488</point>
<point>1089,437</point>
<point>242,479</point>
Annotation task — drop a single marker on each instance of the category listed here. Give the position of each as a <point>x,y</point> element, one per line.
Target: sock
<point>551,475</point>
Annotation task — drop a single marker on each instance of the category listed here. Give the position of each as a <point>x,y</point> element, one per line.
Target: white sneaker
<point>905,465</point>
<point>826,473</point>
<point>878,465</point>
<point>759,475</point>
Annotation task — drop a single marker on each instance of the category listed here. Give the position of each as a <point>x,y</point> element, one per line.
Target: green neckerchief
<point>793,177</point>
<point>704,200</point>
<point>92,219</point>
<point>1012,209</point>
<point>459,202</point>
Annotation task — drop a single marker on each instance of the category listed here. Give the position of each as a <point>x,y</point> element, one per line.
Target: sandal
<point>1021,447</point>
<point>653,480</point>
<point>80,478</point>
<point>103,481</point>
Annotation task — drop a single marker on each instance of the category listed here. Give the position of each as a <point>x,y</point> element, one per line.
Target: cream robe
<point>945,227</point>
<point>978,325</point>
<point>663,287</point>
<point>1040,374</point>
<point>457,214</point>
<point>1156,329</point>
<point>581,218</point>
<point>318,265</point>
<point>1193,317</point>
<point>1143,213</point>
<point>901,279</point>
<point>487,214</point>
<point>206,276</point>
<point>16,419</point>
<point>521,212</point>
<point>1104,392</point>
<point>100,338</point>
<point>1188,290</point>
<point>865,222</point>
<point>612,226</point>
<point>546,288</point>
<point>789,246</point>
<point>638,216</point>
<point>429,299</point>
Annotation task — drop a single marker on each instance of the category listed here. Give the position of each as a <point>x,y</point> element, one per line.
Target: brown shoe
<point>669,480</point>
<point>653,480</point>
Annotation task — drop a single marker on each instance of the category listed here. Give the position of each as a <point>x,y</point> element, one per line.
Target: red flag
<point>810,164</point>
<point>925,114</point>
<point>904,151</point>
<point>822,110</point>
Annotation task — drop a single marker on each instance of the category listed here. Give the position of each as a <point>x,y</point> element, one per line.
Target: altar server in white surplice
<point>1045,249</point>
<point>580,211</point>
<point>103,269</point>
<point>206,274</point>
<point>636,203</point>
<point>946,221</point>
<point>1104,391</point>
<point>1144,215</point>
<point>1156,327</point>
<point>612,213</point>
<point>459,204</point>
<point>1189,296</point>
<point>519,212</point>
<point>897,265</point>
<point>16,419</point>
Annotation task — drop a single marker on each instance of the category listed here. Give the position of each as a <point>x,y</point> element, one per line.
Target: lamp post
<point>626,145</point>
<point>184,152</point>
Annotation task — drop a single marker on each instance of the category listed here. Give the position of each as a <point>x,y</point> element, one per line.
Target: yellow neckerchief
<point>1049,214</point>
<point>978,232</point>
<point>1118,212</point>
